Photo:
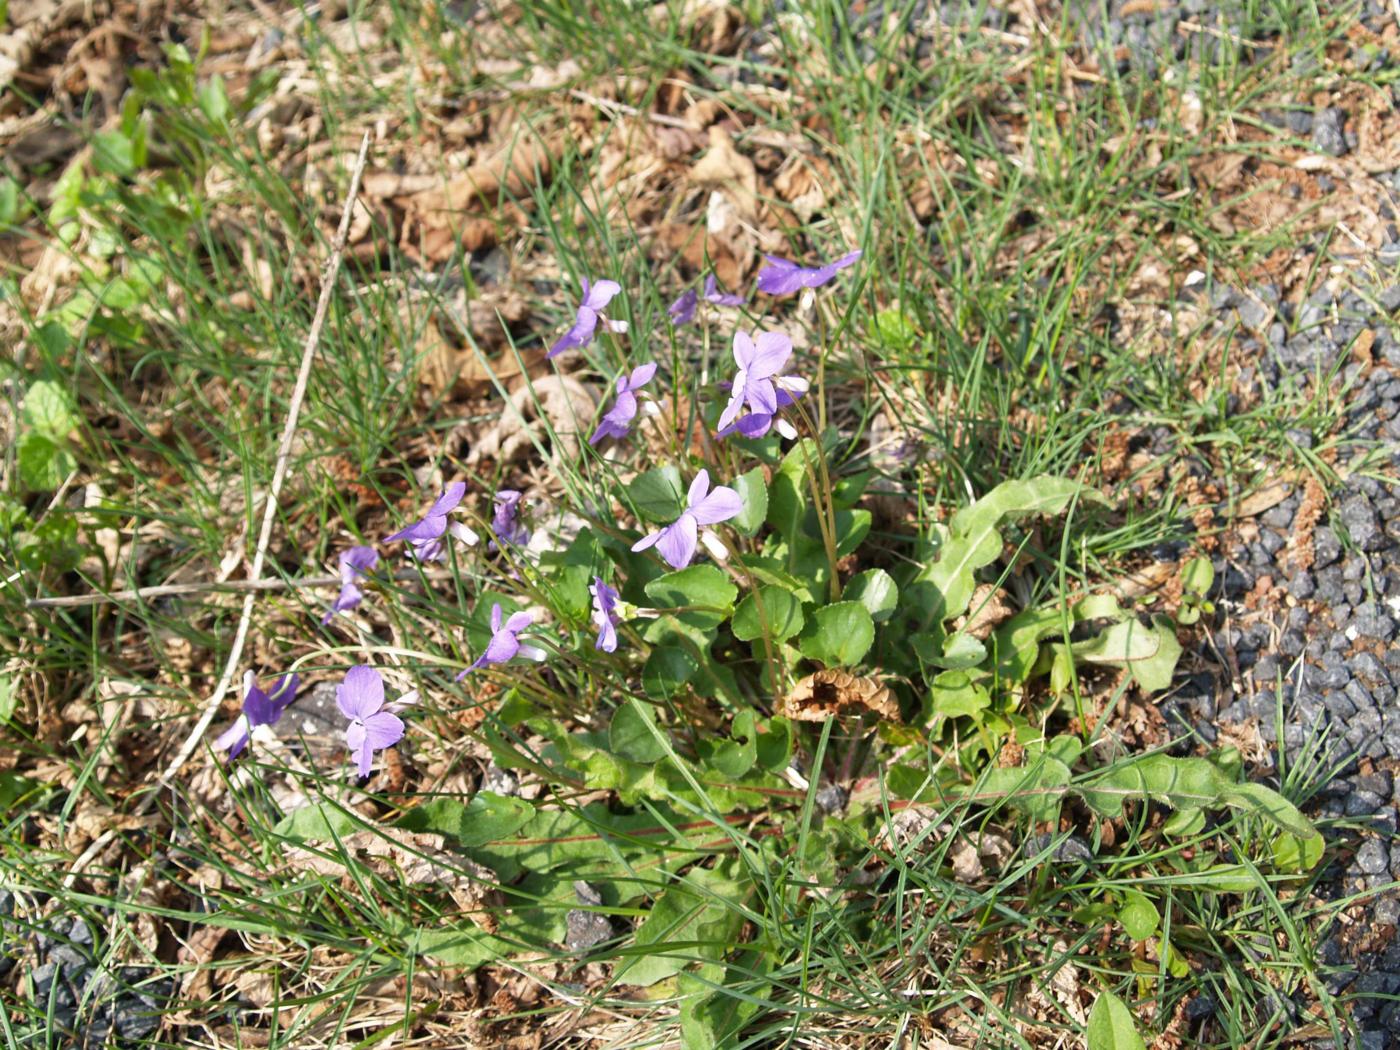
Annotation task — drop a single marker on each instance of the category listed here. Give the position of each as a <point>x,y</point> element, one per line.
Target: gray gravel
<point>1326,655</point>
<point>85,1003</point>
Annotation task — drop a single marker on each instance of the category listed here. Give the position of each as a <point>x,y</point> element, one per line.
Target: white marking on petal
<point>712,543</point>
<point>530,652</point>
<point>786,429</point>
<point>466,535</point>
<point>793,384</point>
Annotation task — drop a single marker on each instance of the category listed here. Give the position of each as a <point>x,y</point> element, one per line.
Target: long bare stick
<point>279,471</point>
<point>279,474</point>
<point>169,590</point>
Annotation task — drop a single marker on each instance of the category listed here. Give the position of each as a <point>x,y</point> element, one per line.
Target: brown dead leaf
<point>989,611</point>
<point>802,183</point>
<point>832,692</point>
<point>724,168</point>
<point>559,403</point>
<point>417,859</point>
<point>1271,495</point>
<point>967,865</point>
<point>492,319</point>
<point>515,168</point>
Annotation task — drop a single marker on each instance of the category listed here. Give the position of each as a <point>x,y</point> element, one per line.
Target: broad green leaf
<point>753,490</point>
<point>960,652</point>
<point>769,610</point>
<point>466,947</point>
<point>700,585</point>
<point>555,839</point>
<point>838,635</point>
<point>852,526</point>
<point>1138,915</point>
<point>1154,674</point>
<point>773,744</point>
<point>973,541</point>
<point>50,409</point>
<point>955,695</point>
<point>9,698</point>
<point>321,822</point>
<point>43,463</point>
<point>1189,783</point>
<point>213,99</point>
<point>736,756</point>
<point>1036,789</point>
<point>114,153</point>
<point>14,787</point>
<point>1292,853</point>
<point>695,920</point>
<point>1197,576</point>
<point>658,495</point>
<point>1111,1025</point>
<point>9,201</point>
<point>787,495</point>
<point>1185,822</point>
<point>710,1019</point>
<point>666,672</point>
<point>634,733</point>
<point>1123,642</point>
<point>892,329</point>
<point>1177,965</point>
<point>876,590</point>
<point>484,819</point>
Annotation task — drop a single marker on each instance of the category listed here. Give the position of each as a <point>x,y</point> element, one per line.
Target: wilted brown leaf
<point>491,319</point>
<point>724,168</point>
<point>989,611</point>
<point>557,403</point>
<point>830,692</point>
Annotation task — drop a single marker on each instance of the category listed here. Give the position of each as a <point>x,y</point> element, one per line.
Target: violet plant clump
<point>505,522</point>
<point>354,563</point>
<point>589,315</point>
<point>810,616</point>
<point>759,388</point>
<point>617,421</point>
<point>427,536</point>
<point>505,644</point>
<point>783,277</point>
<point>677,542</point>
<point>374,725</point>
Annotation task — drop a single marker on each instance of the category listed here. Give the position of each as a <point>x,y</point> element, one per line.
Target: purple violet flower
<point>758,386</point>
<point>353,563</point>
<point>604,615</point>
<point>505,523</point>
<point>682,311</point>
<point>426,535</point>
<point>505,643</point>
<point>783,277</point>
<point>595,299</point>
<point>617,421</point>
<point>259,709</point>
<point>373,725</point>
<point>714,295</point>
<point>676,542</point>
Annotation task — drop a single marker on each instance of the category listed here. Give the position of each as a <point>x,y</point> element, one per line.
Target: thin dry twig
<point>279,474</point>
